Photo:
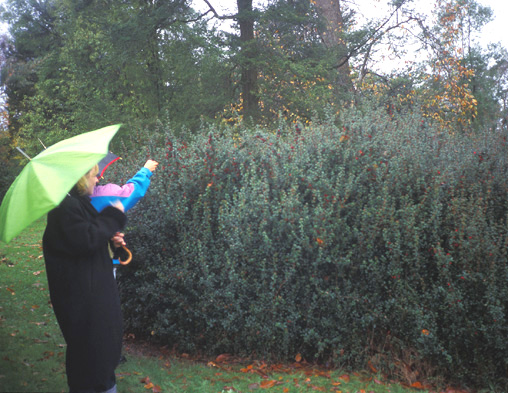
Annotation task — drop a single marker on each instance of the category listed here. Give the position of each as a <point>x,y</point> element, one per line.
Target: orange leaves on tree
<point>449,99</point>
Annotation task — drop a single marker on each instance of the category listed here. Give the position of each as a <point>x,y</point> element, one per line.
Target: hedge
<point>370,237</point>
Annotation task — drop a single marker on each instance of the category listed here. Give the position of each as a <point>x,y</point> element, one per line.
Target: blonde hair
<point>82,184</point>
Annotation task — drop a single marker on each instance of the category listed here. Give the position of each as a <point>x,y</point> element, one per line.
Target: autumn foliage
<point>372,237</point>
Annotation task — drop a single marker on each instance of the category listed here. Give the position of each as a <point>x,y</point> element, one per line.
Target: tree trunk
<point>248,81</point>
<point>332,32</point>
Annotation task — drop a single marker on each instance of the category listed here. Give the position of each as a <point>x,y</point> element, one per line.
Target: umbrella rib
<point>22,152</point>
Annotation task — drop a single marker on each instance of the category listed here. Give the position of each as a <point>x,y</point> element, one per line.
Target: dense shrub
<point>379,239</point>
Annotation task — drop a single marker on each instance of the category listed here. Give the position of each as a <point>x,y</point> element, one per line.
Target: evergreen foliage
<point>380,239</point>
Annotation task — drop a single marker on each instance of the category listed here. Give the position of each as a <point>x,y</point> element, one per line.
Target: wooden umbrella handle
<point>129,258</point>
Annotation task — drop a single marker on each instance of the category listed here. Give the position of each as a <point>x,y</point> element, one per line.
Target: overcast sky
<point>495,31</point>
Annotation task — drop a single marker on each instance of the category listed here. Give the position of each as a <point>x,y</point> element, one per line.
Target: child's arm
<point>129,194</point>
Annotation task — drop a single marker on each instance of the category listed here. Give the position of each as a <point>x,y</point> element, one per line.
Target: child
<point>128,194</point>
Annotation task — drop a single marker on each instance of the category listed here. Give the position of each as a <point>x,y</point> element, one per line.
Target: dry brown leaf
<point>268,384</point>
<point>344,377</point>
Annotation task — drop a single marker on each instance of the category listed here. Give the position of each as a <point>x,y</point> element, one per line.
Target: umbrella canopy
<point>47,178</point>
<point>106,162</point>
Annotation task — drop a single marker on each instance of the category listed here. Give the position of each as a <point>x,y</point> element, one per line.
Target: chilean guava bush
<point>372,236</point>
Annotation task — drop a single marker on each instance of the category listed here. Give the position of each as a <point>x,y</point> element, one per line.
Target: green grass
<point>32,349</point>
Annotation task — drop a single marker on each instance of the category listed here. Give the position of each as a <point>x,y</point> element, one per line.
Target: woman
<point>82,288</point>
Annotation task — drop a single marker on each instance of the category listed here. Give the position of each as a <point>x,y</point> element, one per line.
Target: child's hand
<point>151,165</point>
<point>119,206</point>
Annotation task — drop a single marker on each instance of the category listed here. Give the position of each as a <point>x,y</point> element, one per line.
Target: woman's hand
<point>151,165</point>
<point>118,239</point>
<point>119,206</point>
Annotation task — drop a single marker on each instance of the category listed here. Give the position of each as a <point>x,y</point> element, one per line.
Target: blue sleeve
<point>141,182</point>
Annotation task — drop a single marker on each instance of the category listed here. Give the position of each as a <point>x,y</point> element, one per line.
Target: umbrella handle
<point>129,258</point>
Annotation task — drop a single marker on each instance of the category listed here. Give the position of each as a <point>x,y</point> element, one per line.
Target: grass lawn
<point>32,349</point>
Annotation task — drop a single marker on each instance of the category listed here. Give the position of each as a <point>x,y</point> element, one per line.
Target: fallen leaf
<point>156,389</point>
<point>11,291</point>
<point>298,358</point>
<point>268,384</point>
<point>247,369</point>
<point>372,368</point>
<point>417,385</point>
<point>149,385</point>
<point>344,377</point>
<point>222,358</point>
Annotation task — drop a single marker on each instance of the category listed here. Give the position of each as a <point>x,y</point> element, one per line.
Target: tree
<point>333,30</point>
<point>129,62</point>
<point>296,80</point>
<point>248,81</point>
<point>448,94</point>
<point>34,38</point>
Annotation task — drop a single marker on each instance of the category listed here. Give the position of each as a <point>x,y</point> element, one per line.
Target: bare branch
<point>374,36</point>
<point>216,14</point>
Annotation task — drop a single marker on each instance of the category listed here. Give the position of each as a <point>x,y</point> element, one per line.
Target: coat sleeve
<point>129,194</point>
<point>75,230</point>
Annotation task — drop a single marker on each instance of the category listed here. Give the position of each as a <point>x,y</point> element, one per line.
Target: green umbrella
<point>47,178</point>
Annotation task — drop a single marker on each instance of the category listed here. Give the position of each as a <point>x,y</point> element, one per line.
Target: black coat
<point>83,290</point>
